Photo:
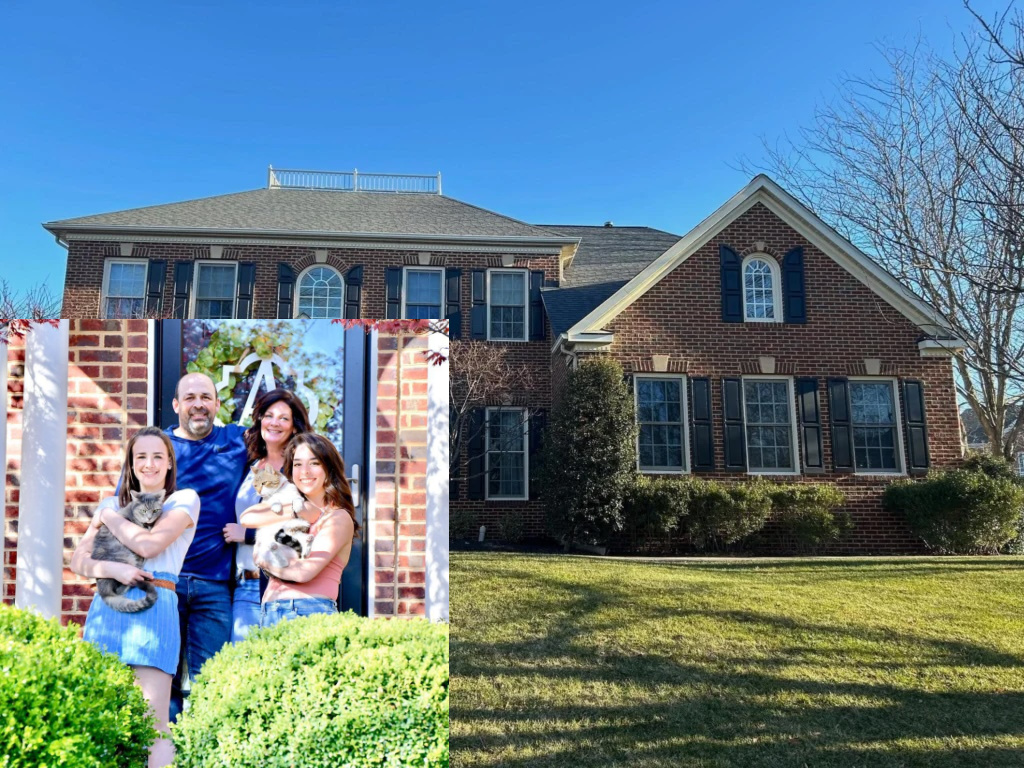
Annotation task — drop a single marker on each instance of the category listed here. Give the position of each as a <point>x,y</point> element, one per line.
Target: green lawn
<point>585,661</point>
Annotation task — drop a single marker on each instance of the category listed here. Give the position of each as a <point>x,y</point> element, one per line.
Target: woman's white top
<point>247,497</point>
<point>172,558</point>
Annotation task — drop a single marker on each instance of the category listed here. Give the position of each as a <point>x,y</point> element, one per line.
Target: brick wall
<point>107,403</point>
<point>847,323</point>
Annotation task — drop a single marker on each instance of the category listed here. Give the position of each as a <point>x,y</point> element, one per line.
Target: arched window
<point>762,290</point>
<point>321,293</point>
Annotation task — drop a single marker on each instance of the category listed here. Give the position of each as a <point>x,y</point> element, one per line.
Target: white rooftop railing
<point>353,181</point>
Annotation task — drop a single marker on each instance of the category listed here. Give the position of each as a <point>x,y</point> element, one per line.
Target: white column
<point>4,402</point>
<point>437,485</point>
<point>43,462</point>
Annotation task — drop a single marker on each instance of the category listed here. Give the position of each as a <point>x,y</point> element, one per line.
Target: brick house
<point>760,343</point>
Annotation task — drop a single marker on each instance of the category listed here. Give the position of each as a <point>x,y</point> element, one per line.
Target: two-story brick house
<point>760,343</point>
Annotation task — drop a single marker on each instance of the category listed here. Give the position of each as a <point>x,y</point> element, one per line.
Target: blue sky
<point>548,112</point>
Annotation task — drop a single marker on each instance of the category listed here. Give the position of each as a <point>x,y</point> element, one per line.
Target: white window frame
<point>900,457</point>
<point>405,287</point>
<point>686,469</point>
<point>298,287</point>
<point>524,417</point>
<point>776,270</point>
<point>526,304</point>
<point>793,426</point>
<point>1019,464</point>
<point>105,290</point>
<point>195,284</point>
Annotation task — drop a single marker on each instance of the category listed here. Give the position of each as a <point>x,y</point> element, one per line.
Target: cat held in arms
<point>144,510</point>
<point>280,544</point>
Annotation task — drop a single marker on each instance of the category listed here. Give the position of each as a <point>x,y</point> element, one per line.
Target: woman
<point>149,641</point>
<point>276,416</point>
<point>310,585</point>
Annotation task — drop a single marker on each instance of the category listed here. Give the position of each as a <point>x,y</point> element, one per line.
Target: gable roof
<point>314,212</point>
<point>763,190</point>
<point>605,260</point>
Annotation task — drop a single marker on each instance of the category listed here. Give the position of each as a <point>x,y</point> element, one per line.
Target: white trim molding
<point>762,190</point>
<point>43,461</point>
<point>437,485</point>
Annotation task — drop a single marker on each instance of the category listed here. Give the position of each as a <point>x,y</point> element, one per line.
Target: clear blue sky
<point>548,112</point>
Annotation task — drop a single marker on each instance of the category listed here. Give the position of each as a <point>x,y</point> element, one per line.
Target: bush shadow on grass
<point>723,713</point>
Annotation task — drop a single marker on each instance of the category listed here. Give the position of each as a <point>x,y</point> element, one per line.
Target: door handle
<point>354,484</point>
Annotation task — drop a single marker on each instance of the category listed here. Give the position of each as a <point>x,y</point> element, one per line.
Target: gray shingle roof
<point>607,258</point>
<point>319,211</point>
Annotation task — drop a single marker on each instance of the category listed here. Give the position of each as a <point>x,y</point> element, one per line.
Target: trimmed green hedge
<point>807,513</point>
<point>63,702</point>
<point>964,511</point>
<point>321,691</point>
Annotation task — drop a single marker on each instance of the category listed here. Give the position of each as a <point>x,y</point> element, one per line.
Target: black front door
<point>321,362</point>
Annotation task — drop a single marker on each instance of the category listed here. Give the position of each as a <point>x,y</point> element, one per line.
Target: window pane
<point>758,291</point>
<point>508,322</point>
<point>873,413</point>
<point>127,280</point>
<point>422,287</point>
<point>506,453</point>
<point>321,291</point>
<point>508,288</point>
<point>769,427</point>
<point>659,408</point>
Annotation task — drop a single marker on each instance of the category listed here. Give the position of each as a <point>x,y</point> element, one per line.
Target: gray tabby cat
<point>144,510</point>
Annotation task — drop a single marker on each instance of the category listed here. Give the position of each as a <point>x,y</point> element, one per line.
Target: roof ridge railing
<point>353,181</point>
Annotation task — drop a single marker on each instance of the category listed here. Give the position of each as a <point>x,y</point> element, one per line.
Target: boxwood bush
<point>719,514</point>
<point>807,513</point>
<point>653,508</point>
<point>63,702</point>
<point>963,511</point>
<point>322,691</point>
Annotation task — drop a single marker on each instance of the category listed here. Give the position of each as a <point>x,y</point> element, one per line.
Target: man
<point>212,462</point>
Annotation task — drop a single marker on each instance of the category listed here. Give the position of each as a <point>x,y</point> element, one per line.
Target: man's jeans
<point>204,614</point>
<point>282,610</point>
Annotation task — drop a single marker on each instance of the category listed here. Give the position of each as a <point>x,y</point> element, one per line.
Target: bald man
<point>211,461</point>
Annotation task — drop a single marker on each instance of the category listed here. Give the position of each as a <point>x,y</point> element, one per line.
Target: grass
<point>587,662</point>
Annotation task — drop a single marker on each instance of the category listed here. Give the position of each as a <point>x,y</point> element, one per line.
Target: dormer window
<point>762,290</point>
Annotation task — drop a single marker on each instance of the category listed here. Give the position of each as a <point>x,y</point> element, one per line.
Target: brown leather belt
<point>250,575</point>
<point>163,583</point>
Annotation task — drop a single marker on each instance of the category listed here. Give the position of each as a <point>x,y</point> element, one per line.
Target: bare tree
<point>20,311</point>
<point>897,165</point>
<point>485,375</point>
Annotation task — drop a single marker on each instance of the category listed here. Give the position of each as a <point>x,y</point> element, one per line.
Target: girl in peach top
<point>310,585</point>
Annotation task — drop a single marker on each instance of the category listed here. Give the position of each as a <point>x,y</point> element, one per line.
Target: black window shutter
<point>794,304</point>
<point>453,302</point>
<point>732,408</point>
<point>538,423</point>
<point>842,429</point>
<point>156,275</point>
<point>916,428</point>
<point>285,291</point>
<point>475,466</point>
<point>454,466</point>
<point>702,437</point>
<point>353,292</point>
<point>394,293</point>
<point>182,288</point>
<point>536,307</point>
<point>809,408</point>
<point>732,285</point>
<point>244,290</point>
<point>478,314</point>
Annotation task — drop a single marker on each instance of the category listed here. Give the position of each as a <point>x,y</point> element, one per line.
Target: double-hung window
<point>506,453</point>
<point>321,290</point>
<point>661,418</point>
<point>874,419</point>
<point>506,305</point>
<point>768,414</point>
<point>215,289</point>
<point>423,293</point>
<point>124,289</point>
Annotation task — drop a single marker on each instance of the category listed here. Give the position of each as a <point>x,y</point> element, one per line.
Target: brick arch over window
<point>320,292</point>
<point>762,289</point>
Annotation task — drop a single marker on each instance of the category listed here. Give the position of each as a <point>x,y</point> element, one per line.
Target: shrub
<point>589,454</point>
<point>959,512</point>
<point>807,513</point>
<point>510,527</point>
<point>653,507</point>
<point>462,525</point>
<point>719,514</point>
<point>993,466</point>
<point>63,702</point>
<point>322,691</point>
